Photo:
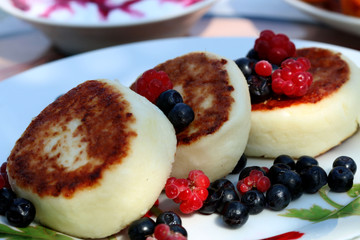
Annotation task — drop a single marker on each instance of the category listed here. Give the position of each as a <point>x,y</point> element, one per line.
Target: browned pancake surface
<point>329,71</point>
<point>204,85</point>
<point>104,116</point>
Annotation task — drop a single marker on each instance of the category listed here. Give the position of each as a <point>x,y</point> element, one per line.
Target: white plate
<point>337,20</point>
<point>22,97</point>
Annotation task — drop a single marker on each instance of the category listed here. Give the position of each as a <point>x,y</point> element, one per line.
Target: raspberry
<point>190,193</point>
<point>263,68</point>
<point>152,83</point>
<point>292,78</point>
<point>274,47</point>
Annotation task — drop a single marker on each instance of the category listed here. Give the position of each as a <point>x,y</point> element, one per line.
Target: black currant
<point>305,162</point>
<point>178,228</point>
<point>285,159</point>
<point>276,169</point>
<point>181,115</point>
<point>259,88</point>
<point>141,228</point>
<point>240,164</point>
<point>228,195</point>
<point>313,178</point>
<point>246,66</point>
<point>168,99</point>
<point>340,179</point>
<point>6,198</point>
<point>292,181</point>
<point>278,197</point>
<point>212,201</point>
<point>168,218</point>
<point>254,200</point>
<point>20,213</point>
<point>346,162</point>
<point>235,214</point>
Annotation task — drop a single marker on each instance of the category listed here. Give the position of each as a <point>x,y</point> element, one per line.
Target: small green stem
<point>324,196</point>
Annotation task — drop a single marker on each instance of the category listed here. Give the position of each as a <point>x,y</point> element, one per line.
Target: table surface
<point>23,47</point>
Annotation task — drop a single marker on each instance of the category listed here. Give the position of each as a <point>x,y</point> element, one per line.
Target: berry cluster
<point>292,78</point>
<point>189,193</point>
<point>168,226</point>
<point>272,69</point>
<point>285,181</point>
<point>274,47</point>
<point>19,212</point>
<point>156,86</point>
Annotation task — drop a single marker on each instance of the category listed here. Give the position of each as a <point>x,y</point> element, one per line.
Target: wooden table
<point>23,47</point>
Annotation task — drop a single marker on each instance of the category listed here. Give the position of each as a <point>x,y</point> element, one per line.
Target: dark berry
<point>313,178</point>
<point>168,218</point>
<point>168,99</point>
<point>181,115</point>
<point>285,159</point>
<point>212,201</point>
<point>292,181</point>
<point>222,183</point>
<point>347,162</point>
<point>228,195</point>
<point>20,213</point>
<point>276,169</point>
<point>141,228</point>
<point>246,66</point>
<point>240,164</point>
<point>340,179</point>
<point>278,197</point>
<point>259,88</point>
<point>179,229</point>
<point>252,54</point>
<point>6,198</point>
<point>254,200</point>
<point>246,171</point>
<point>305,162</point>
<point>235,214</point>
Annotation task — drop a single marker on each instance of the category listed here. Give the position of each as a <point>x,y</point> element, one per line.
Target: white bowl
<point>79,34</point>
<point>337,20</point>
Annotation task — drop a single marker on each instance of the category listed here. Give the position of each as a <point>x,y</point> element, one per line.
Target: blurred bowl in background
<point>76,26</point>
<point>336,20</point>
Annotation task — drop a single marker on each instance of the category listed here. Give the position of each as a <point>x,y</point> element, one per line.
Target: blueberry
<point>313,178</point>
<point>252,54</point>
<point>6,198</point>
<point>259,88</point>
<point>285,159</point>
<point>212,201</point>
<point>340,179</point>
<point>304,162</point>
<point>347,162</point>
<point>181,115</point>
<point>292,181</point>
<point>222,183</point>
<point>168,218</point>
<point>246,171</point>
<point>228,195</point>
<point>254,200</point>
<point>276,169</point>
<point>246,66</point>
<point>141,228</point>
<point>240,164</point>
<point>235,214</point>
<point>278,197</point>
<point>178,228</point>
<point>20,213</point>
<point>168,99</point>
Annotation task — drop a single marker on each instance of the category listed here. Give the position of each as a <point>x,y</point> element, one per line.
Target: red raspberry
<point>274,47</point>
<point>190,193</point>
<point>263,68</point>
<point>152,83</point>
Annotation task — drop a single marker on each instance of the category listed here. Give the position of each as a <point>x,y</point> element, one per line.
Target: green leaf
<point>314,214</point>
<point>30,232</point>
<point>354,191</point>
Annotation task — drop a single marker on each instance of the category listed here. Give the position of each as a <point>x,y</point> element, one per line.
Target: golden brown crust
<point>329,71</point>
<point>204,85</point>
<point>103,117</point>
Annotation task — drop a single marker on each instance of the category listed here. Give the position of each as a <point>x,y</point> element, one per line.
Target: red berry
<point>172,191</point>
<point>201,192</point>
<point>263,68</point>
<point>263,184</point>
<point>3,167</point>
<point>185,194</point>
<point>152,83</point>
<point>255,175</point>
<point>2,181</point>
